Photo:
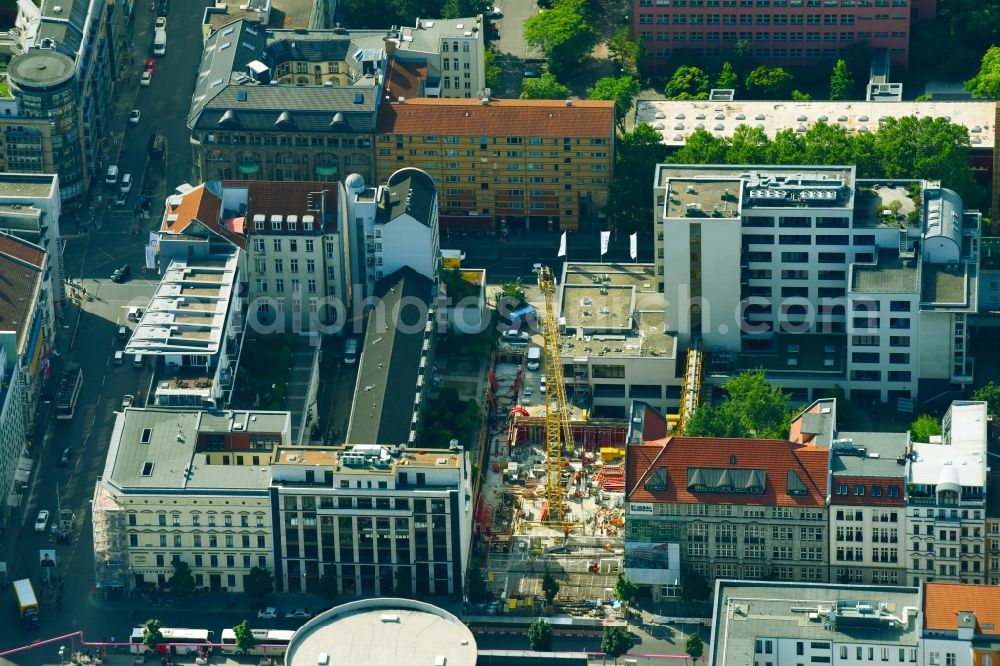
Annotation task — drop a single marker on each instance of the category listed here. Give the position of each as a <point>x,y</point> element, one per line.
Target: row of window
<point>175,519</point>
<point>198,541</point>
<point>715,36</point>
<point>230,561</point>
<point>876,490</point>
<point>484,139</point>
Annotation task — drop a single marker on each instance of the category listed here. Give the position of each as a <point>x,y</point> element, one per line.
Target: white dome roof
<point>354,181</point>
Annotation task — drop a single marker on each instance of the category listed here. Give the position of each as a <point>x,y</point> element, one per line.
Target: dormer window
<point>657,481</point>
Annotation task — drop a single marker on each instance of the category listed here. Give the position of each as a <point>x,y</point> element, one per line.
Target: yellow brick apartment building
<point>518,163</point>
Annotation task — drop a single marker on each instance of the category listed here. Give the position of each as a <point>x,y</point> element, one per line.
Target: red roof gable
<point>944,601</point>
<point>777,457</point>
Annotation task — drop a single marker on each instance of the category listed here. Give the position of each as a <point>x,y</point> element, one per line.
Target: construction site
<point>552,499</point>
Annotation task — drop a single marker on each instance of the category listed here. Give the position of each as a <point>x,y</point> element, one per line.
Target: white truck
<point>160,42</point>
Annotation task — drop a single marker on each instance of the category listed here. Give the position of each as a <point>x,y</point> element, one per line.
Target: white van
<point>134,314</point>
<point>119,357</point>
<point>137,360</point>
<point>534,358</point>
<point>160,43</point>
<point>112,176</point>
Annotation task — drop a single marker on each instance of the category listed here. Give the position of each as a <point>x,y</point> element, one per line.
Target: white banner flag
<point>633,242</point>
<point>562,245</point>
<point>605,240</point>
<point>154,239</point>
<point>150,257</point>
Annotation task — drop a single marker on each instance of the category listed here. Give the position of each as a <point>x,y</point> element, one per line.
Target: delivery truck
<point>27,602</point>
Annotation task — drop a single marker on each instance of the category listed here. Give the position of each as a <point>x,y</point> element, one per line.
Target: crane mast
<point>558,432</point>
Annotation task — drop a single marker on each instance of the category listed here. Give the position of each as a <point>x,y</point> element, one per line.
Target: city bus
<point>270,642</point>
<point>184,641</point>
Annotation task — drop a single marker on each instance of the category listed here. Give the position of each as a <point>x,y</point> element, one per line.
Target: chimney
<point>569,102</point>
<point>485,101</point>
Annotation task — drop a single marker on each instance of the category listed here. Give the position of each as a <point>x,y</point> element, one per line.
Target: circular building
<point>383,632</point>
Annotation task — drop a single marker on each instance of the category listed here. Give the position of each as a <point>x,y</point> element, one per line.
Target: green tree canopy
<point>513,292</point>
<point>727,76</point>
<point>540,635</point>
<point>768,83</point>
<point>550,587</point>
<point>615,642</point>
<point>827,144</point>
<point>991,394</point>
<point>451,9</point>
<point>543,87</point>
<point>748,145</point>
<point>841,83</point>
<point>986,83</point>
<point>182,581</point>
<point>244,637</point>
<point>694,647</point>
<point>564,34</point>
<point>687,83</point>
<point>257,584</point>
<point>625,591</point>
<point>491,69</point>
<point>752,408</point>
<point>625,51</point>
<point>924,427</point>
<point>636,157</point>
<point>622,90</point>
<point>800,96</point>
<point>702,148</point>
<point>151,634</point>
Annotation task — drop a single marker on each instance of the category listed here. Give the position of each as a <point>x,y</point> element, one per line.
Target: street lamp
<point>62,655</point>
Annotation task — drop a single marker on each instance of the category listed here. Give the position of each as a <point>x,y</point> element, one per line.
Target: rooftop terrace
<point>889,274</point>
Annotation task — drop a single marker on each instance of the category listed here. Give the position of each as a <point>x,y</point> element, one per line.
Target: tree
<point>694,586</point>
<point>182,582</point>
<point>491,68</point>
<point>748,145</point>
<point>986,83</point>
<point>543,87</point>
<point>701,147</point>
<point>991,395</point>
<point>752,408</point>
<point>624,50</point>
<point>151,634</point>
<point>511,293</point>
<point>827,144</point>
<point>768,82</point>
<point>924,427</point>
<point>550,587</point>
<point>564,34</point>
<point>694,647</point>
<point>476,590</point>
<point>452,9</point>
<point>727,77</point>
<point>469,418</point>
<point>687,83</point>
<point>625,591</point>
<point>638,153</point>
<point>258,584</point>
<point>244,637</point>
<point>615,642</point>
<point>800,96</point>
<point>841,83</point>
<point>540,635</point>
<point>622,90</point>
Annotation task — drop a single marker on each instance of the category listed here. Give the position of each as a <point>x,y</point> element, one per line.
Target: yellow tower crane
<point>558,432</point>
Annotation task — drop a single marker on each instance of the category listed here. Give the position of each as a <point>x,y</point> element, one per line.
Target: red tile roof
<point>403,79</point>
<point>13,246</point>
<point>868,499</point>
<point>198,205</point>
<point>266,197</point>
<point>944,601</point>
<point>677,454</point>
<point>501,117</point>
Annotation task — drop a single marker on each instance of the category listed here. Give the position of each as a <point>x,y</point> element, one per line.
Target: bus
<point>269,642</point>
<point>68,392</point>
<point>27,602</point>
<point>184,641</point>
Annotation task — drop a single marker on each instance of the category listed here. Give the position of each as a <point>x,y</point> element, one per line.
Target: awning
<point>325,170</point>
<point>248,169</point>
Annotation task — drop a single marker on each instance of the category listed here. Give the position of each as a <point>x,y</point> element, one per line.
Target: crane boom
<point>558,431</point>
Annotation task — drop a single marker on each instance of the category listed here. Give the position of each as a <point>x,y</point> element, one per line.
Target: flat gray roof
<point>383,632</point>
<point>889,275</point>
<point>745,612</point>
<point>26,185</point>
<point>888,446</point>
<point>943,285</point>
<point>153,450</point>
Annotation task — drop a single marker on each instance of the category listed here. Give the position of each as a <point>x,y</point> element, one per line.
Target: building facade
<point>741,509</point>
<point>377,520</point>
<point>515,164</point>
<point>780,32</point>
<point>169,492</point>
<point>946,500</point>
<point>960,624</point>
<point>821,279</point>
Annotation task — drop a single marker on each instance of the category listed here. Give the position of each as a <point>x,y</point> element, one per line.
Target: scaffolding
<point>691,391</point>
<point>111,573</point>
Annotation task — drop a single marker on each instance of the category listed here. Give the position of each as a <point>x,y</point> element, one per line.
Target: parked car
<point>120,198</point>
<point>150,66</point>
<point>298,613</point>
<point>126,183</point>
<point>121,273</point>
<point>127,400</point>
<point>268,613</point>
<point>133,116</point>
<point>146,78</point>
<point>161,22</point>
<point>64,458</point>
<point>112,176</point>
<point>123,332</point>
<point>515,337</point>
<point>42,521</point>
